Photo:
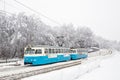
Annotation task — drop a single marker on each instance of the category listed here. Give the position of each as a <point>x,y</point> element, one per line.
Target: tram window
<point>50,50</point>
<point>58,50</point>
<point>78,50</point>
<point>68,50</point>
<point>46,50</point>
<point>29,51</point>
<point>53,50</point>
<point>63,50</point>
<point>73,51</point>
<point>38,51</point>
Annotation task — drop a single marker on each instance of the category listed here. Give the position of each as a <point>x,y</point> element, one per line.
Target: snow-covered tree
<point>84,37</point>
<point>18,31</point>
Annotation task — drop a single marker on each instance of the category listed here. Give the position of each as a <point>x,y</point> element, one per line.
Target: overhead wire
<point>4,11</point>
<point>37,12</point>
<point>10,5</point>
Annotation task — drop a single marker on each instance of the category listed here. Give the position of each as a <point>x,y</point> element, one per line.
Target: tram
<point>79,53</point>
<point>40,55</point>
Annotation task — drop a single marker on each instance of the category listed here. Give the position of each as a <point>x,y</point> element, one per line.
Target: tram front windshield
<point>29,51</point>
<point>73,51</point>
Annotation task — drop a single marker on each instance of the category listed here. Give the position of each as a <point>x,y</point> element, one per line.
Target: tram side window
<point>78,50</point>
<point>72,51</point>
<point>65,50</point>
<point>57,50</point>
<point>53,50</point>
<point>68,51</point>
<point>61,50</point>
<point>46,50</point>
<point>38,51</point>
<point>50,50</point>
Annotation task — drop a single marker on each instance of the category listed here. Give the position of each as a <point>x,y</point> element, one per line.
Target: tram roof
<point>47,46</point>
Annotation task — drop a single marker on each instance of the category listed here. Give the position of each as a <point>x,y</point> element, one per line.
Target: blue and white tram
<point>79,53</point>
<point>39,55</point>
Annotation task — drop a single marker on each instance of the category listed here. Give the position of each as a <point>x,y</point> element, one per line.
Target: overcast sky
<point>102,16</point>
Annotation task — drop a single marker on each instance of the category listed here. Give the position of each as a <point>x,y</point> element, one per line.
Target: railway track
<point>44,69</point>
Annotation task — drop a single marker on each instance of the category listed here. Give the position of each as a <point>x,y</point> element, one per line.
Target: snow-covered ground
<point>99,69</point>
<point>109,70</point>
<point>11,62</point>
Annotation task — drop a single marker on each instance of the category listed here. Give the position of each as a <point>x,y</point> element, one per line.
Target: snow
<point>7,64</point>
<point>70,73</point>
<point>11,64</point>
<point>10,70</point>
<point>107,68</point>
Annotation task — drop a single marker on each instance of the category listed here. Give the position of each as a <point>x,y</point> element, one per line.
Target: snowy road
<point>99,69</point>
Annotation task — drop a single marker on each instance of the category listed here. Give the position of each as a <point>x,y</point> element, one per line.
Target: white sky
<point>102,16</point>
